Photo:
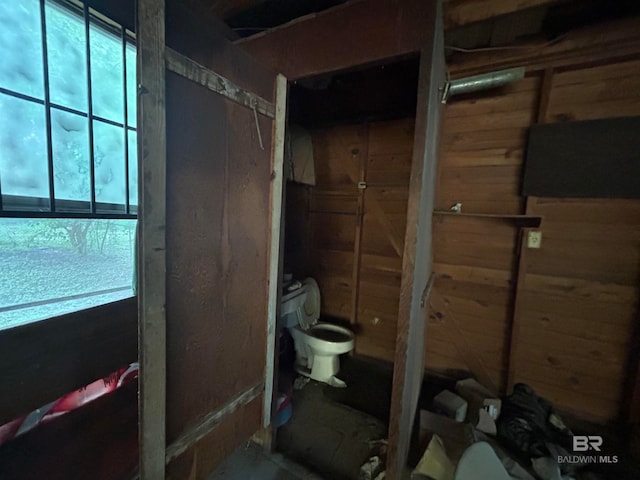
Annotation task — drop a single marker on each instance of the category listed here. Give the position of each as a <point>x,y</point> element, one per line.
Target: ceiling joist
<point>458,13</point>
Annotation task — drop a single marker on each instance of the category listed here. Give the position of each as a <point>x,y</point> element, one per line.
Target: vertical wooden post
<point>357,250</point>
<point>417,259</point>
<point>517,306</point>
<point>275,243</point>
<point>631,401</point>
<point>541,117</point>
<point>545,95</point>
<point>151,254</point>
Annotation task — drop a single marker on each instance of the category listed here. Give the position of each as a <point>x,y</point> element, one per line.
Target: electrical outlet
<point>534,239</point>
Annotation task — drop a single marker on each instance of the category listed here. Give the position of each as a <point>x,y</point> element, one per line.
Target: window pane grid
<point>12,206</point>
<point>92,167</point>
<point>64,108</point>
<point>126,119</point>
<point>47,106</point>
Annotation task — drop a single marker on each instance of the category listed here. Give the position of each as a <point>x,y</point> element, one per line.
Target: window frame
<point>14,206</point>
<point>39,366</point>
<point>33,207</point>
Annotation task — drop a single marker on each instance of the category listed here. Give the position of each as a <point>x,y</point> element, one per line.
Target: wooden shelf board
<point>528,221</point>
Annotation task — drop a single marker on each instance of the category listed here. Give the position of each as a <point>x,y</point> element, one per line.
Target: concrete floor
<point>250,462</point>
<point>327,436</point>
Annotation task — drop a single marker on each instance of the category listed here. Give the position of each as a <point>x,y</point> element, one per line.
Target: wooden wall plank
<point>579,303</point>
<point>212,420</point>
<point>384,223</point>
<point>580,300</point>
<point>606,42</point>
<point>339,157</point>
<point>198,462</point>
<point>38,366</point>
<point>603,91</point>
<point>333,202</point>
<point>449,324</point>
<point>152,227</point>
<point>98,440</point>
<point>339,150</point>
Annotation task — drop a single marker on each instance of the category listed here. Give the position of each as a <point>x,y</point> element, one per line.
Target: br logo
<point>584,443</point>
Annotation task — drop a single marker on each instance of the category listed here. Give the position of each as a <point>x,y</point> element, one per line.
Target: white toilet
<point>317,345</point>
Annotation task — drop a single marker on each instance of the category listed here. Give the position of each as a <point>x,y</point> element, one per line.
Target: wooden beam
<point>462,12</point>
<point>196,37</point>
<point>266,437</point>
<point>152,219</point>
<point>187,68</point>
<point>541,117</point>
<point>379,30</point>
<point>417,260</point>
<point>608,41</point>
<point>456,12</point>
<point>44,360</point>
<point>514,339</point>
<point>229,8</point>
<point>373,30</point>
<point>275,241</point>
<point>545,95</point>
<point>211,421</point>
<point>208,14</point>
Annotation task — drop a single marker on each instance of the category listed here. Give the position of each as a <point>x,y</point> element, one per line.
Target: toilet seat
<point>329,339</point>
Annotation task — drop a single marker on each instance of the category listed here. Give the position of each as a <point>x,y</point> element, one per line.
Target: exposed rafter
<point>229,8</point>
<point>463,12</point>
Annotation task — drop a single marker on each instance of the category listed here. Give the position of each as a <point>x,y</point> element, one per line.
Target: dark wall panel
<point>588,159</point>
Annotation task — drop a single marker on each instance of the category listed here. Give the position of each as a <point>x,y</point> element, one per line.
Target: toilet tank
<point>291,303</point>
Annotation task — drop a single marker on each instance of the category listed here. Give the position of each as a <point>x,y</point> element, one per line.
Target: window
<point>68,159</point>
<point>67,90</point>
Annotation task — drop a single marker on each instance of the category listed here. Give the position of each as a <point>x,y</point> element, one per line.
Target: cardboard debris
<point>483,406</point>
<point>434,465</point>
<point>451,405</point>
<point>455,436</point>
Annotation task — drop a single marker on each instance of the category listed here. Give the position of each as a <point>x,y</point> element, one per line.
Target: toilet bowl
<point>317,344</point>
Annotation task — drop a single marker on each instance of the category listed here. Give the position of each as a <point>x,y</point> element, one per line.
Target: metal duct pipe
<point>482,82</point>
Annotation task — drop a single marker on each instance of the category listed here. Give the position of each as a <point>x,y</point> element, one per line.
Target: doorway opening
<point>348,161</point>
